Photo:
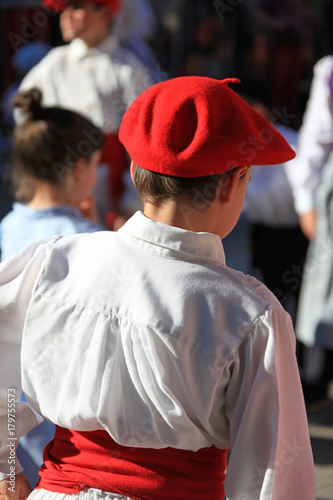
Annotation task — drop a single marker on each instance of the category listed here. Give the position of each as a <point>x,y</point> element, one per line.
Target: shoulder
<point>69,221</point>
<point>88,248</point>
<point>123,56</point>
<point>248,298</point>
<point>53,55</point>
<point>18,212</point>
<point>76,264</point>
<point>7,219</point>
<point>48,62</point>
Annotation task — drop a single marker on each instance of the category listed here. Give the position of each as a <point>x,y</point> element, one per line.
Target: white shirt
<point>315,138</point>
<point>146,333</point>
<point>99,82</point>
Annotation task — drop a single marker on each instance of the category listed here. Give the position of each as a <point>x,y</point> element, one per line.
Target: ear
<point>132,170</point>
<point>79,169</point>
<point>228,184</point>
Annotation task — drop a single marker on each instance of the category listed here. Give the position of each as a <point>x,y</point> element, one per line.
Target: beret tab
<point>195,126</point>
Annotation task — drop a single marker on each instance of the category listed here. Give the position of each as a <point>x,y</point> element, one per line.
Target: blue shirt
<point>24,225</point>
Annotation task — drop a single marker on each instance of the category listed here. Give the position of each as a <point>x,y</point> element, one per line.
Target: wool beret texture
<point>60,5</point>
<point>195,126</point>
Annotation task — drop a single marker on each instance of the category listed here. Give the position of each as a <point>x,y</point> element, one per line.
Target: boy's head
<point>89,20</point>
<point>184,134</point>
<point>192,141</point>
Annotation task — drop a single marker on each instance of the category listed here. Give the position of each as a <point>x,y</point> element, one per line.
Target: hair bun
<point>30,103</point>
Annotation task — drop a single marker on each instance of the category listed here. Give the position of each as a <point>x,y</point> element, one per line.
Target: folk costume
<point>151,356</point>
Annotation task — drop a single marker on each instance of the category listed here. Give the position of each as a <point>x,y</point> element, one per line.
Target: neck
<point>181,213</point>
<point>97,40</point>
<point>47,195</point>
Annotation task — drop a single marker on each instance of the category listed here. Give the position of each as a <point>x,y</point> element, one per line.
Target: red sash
<point>74,461</point>
<point>115,156</point>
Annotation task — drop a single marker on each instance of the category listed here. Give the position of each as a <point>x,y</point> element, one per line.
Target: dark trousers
<point>279,254</point>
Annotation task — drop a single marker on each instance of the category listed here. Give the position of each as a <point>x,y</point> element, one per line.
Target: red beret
<point>194,126</point>
<point>60,5</point>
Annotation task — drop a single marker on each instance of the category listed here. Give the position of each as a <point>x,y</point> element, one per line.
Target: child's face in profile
<point>90,174</point>
<point>82,20</point>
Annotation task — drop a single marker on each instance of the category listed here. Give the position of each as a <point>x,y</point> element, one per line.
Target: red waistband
<point>115,156</point>
<point>74,461</point>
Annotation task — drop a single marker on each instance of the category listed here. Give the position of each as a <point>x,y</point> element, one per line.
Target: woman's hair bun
<point>30,103</point>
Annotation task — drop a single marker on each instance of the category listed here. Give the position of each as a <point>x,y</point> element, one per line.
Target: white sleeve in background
<point>17,277</point>
<point>271,456</point>
<point>315,138</point>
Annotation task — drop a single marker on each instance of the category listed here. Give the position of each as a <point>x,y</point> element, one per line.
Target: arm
<point>17,277</point>
<point>18,489</point>
<point>307,222</point>
<point>270,447</point>
<point>314,140</point>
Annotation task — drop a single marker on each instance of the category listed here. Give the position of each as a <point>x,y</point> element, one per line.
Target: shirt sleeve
<point>315,139</point>
<point>18,275</point>
<point>271,456</point>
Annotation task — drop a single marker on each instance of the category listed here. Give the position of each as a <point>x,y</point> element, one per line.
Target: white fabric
<point>315,138</point>
<point>269,197</point>
<point>90,494</point>
<point>100,82</point>
<point>146,333</point>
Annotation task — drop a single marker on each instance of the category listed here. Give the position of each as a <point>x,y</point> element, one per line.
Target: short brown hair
<point>153,186</point>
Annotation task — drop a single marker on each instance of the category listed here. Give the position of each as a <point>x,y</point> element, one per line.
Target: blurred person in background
<point>95,76</point>
<point>312,185</point>
<point>22,62</point>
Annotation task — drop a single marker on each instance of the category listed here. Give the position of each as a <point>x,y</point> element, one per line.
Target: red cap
<point>60,5</point>
<point>194,126</point>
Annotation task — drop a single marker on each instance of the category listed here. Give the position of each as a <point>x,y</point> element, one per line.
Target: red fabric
<point>195,126</point>
<point>74,461</point>
<point>114,155</point>
<point>59,5</point>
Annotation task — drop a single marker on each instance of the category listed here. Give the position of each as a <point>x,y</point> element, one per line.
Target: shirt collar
<point>170,239</point>
<point>78,49</point>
